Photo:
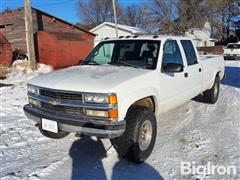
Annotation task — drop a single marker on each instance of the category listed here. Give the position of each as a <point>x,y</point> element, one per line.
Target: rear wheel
<point>52,135</point>
<point>211,95</point>
<point>137,142</point>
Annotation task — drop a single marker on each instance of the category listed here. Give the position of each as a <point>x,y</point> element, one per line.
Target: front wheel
<point>211,95</point>
<point>138,140</point>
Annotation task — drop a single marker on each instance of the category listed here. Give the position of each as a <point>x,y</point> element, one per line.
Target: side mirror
<point>172,67</point>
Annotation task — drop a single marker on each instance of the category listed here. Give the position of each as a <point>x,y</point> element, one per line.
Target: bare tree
<point>164,16</point>
<point>191,14</point>
<point>133,15</point>
<point>7,9</point>
<point>95,12</point>
<point>221,15</point>
<point>160,15</point>
<point>176,16</point>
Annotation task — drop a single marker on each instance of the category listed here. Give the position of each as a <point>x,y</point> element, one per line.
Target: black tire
<point>211,95</point>
<point>53,135</point>
<point>128,145</point>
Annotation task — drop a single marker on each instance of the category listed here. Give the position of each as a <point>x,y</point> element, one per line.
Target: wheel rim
<point>145,135</point>
<point>215,90</point>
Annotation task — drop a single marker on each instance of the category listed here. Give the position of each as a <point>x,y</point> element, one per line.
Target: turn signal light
<point>112,99</point>
<point>113,113</point>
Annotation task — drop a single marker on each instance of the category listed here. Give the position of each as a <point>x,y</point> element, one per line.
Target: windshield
<point>233,46</point>
<point>134,53</point>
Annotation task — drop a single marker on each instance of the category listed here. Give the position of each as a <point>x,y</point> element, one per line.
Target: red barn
<point>57,42</point>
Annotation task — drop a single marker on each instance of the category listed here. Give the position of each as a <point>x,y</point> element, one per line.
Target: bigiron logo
<point>190,168</point>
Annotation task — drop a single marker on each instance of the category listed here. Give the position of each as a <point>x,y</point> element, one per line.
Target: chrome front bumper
<point>81,125</point>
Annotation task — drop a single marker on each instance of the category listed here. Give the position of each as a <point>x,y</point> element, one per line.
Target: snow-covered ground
<point>195,132</point>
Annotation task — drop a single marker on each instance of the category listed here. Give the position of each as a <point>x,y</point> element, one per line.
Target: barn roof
<point>66,22</point>
<point>61,20</point>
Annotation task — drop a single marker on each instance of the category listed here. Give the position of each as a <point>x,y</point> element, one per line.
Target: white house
<point>107,29</point>
<point>201,36</point>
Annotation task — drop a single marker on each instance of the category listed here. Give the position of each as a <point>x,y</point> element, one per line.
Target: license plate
<point>49,125</point>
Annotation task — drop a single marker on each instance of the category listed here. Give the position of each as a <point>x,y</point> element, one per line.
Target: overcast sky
<point>64,9</point>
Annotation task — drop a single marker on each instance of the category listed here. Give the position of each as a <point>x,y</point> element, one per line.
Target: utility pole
<point>29,35</point>
<point>115,17</point>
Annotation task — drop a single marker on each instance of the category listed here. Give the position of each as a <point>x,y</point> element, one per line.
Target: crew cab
<point>232,51</point>
<point>121,88</point>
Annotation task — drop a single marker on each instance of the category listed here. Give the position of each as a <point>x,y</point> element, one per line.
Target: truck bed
<point>210,63</point>
<point>205,57</point>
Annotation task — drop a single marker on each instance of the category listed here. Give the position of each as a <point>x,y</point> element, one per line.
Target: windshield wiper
<point>128,64</point>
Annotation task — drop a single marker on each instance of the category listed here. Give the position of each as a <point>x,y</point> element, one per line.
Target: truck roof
<point>147,37</point>
<point>234,43</point>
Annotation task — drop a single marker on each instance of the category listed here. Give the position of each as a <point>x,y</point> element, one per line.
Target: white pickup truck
<point>121,88</point>
<point>232,51</point>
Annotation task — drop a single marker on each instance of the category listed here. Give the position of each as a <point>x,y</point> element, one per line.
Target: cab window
<point>233,46</point>
<point>171,53</point>
<point>189,52</point>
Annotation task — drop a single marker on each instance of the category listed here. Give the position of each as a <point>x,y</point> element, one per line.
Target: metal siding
<point>5,52</point>
<point>62,49</point>
<point>16,33</point>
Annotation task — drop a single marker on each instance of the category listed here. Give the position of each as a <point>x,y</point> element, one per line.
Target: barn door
<point>5,51</point>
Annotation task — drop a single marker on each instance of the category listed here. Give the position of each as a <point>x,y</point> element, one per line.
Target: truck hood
<point>101,78</point>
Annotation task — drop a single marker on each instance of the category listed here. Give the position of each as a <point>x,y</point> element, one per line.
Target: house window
<point>205,43</point>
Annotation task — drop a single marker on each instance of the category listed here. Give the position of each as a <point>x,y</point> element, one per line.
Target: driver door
<point>172,85</point>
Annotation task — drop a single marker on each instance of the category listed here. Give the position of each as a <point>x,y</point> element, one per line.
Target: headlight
<point>33,89</point>
<point>100,98</point>
<point>34,102</point>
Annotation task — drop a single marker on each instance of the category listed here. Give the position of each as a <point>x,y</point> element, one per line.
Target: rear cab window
<point>189,52</point>
<point>233,46</point>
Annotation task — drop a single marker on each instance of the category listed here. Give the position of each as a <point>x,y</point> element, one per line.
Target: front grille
<point>62,109</point>
<point>61,95</point>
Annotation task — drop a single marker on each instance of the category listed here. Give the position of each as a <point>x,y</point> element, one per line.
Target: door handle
<point>200,69</point>
<point>186,75</point>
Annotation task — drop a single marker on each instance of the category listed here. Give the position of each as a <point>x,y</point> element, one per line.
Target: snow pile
<point>20,140</point>
<point>20,71</point>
